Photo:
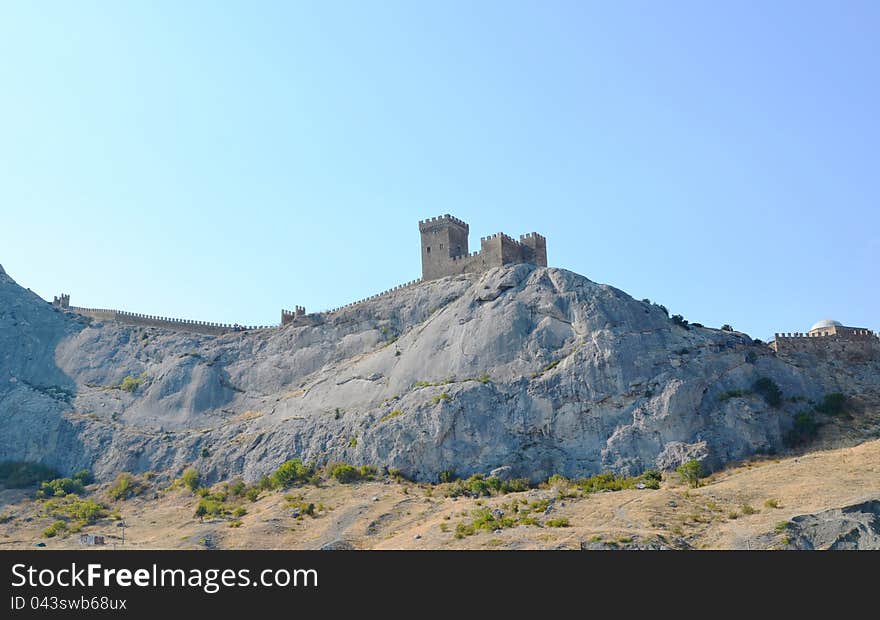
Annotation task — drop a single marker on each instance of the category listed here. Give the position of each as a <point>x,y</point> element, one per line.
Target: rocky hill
<point>537,369</point>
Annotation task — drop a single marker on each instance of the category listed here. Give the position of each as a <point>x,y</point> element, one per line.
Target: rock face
<point>851,527</point>
<point>536,369</point>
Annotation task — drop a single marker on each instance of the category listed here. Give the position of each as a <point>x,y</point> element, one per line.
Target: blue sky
<point>220,161</point>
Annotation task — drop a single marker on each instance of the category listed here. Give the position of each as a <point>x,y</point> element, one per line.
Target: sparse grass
<point>390,416</point>
<point>782,526</point>
<point>747,510</point>
<point>547,368</point>
<point>771,503</point>
<point>442,396</point>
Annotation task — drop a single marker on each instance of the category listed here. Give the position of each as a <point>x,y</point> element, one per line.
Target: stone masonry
<point>444,253</point>
<point>445,249</point>
<point>855,344</point>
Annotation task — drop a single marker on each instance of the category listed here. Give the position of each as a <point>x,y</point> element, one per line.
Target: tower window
<point>428,249</point>
<point>441,246</point>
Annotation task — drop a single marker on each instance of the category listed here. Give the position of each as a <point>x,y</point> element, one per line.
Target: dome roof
<point>826,323</point>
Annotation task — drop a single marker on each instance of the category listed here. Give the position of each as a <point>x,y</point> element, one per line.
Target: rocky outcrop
<point>852,527</point>
<point>539,370</point>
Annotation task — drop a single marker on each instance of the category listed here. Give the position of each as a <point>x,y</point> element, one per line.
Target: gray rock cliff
<point>538,369</point>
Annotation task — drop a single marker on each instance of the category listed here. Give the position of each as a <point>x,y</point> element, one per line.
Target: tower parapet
<point>445,249</point>
<point>61,301</point>
<point>290,316</point>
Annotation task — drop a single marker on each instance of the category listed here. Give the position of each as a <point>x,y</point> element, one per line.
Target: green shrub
<point>560,522</point>
<point>448,475</point>
<point>608,481</point>
<point>124,487</point>
<point>691,472</point>
<point>724,396</point>
<point>237,488</point>
<point>252,494</point>
<point>191,479</point>
<point>651,478</point>
<point>832,404</point>
<point>292,472</point>
<point>804,429</point>
<point>56,529</point>
<point>440,398</point>
<point>59,487</point>
<point>209,508</point>
<point>84,476</point>
<point>72,508</point>
<point>771,503</point>
<point>769,391</point>
<point>130,383</point>
<point>205,453</point>
<point>679,320</point>
<point>22,474</point>
<point>346,474</point>
<point>782,526</point>
<point>726,328</point>
<point>746,509</point>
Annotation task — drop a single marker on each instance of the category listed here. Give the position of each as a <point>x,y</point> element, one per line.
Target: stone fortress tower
<point>445,249</point>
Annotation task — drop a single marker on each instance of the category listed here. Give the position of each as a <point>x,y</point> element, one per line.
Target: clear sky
<point>221,160</point>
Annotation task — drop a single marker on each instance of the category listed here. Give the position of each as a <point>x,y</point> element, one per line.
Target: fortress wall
<point>99,314</point>
<point>855,348</point>
<point>372,297</point>
<point>147,320</point>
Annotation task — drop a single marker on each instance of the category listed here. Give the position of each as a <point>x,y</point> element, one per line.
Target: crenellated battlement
<point>531,235</point>
<point>440,220</point>
<point>445,249</point>
<point>373,297</point>
<point>291,316</point>
<point>444,252</point>
<point>829,339</point>
<point>152,320</point>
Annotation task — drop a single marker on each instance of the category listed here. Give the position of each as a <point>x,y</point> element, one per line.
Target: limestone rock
<point>539,369</point>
